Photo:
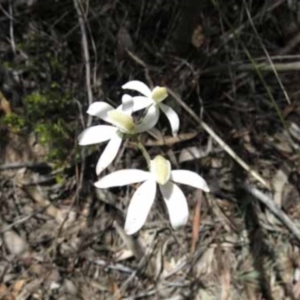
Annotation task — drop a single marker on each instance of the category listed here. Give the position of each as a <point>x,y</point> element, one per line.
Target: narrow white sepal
<point>109,153</point>
<point>189,178</point>
<point>176,204</point>
<point>140,206</point>
<point>149,121</point>
<point>138,86</point>
<point>141,102</point>
<point>172,117</point>
<point>96,134</point>
<point>122,177</point>
<point>99,109</point>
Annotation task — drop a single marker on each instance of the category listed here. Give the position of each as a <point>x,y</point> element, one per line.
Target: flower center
<point>161,169</point>
<point>159,94</point>
<point>121,120</point>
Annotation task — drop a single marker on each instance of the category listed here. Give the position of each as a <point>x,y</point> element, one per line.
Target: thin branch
<point>112,266</point>
<point>269,203</point>
<point>293,66</point>
<point>267,54</point>
<point>11,28</point>
<point>279,67</point>
<point>22,165</point>
<point>86,55</point>
<point>233,33</point>
<point>219,140</point>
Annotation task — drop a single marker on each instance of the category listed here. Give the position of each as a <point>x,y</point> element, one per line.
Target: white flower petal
<point>150,119</point>
<point>140,206</point>
<point>172,117</point>
<point>127,105</point>
<point>141,102</point>
<point>96,134</point>
<point>122,177</point>
<point>138,86</point>
<point>189,178</point>
<point>109,153</point>
<point>99,109</point>
<point>176,204</point>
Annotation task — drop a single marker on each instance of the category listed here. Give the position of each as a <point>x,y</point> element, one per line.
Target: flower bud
<point>159,94</point>
<point>121,120</point>
<point>161,169</point>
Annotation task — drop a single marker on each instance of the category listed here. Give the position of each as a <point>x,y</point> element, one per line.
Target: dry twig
<point>196,221</point>
<point>22,165</point>
<point>86,56</point>
<point>269,203</point>
<point>219,140</point>
<point>267,55</point>
<point>11,27</point>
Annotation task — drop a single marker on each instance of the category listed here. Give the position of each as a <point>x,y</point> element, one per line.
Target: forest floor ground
<point>232,70</point>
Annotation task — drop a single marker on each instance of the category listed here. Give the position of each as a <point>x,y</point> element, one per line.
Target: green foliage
<point>46,115</point>
<point>35,105</point>
<point>6,65</point>
<point>14,122</point>
<point>60,178</point>
<point>48,111</point>
<point>48,105</point>
<point>48,131</point>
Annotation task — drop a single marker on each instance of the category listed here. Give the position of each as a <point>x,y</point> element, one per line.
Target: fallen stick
<point>276,211</point>
<point>219,140</point>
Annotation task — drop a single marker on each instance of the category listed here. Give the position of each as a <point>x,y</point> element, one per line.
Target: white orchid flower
<point>143,198</point>
<point>122,123</point>
<point>153,99</point>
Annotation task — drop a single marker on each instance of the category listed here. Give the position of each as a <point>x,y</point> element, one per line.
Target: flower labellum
<point>159,94</point>
<point>121,120</point>
<point>161,169</point>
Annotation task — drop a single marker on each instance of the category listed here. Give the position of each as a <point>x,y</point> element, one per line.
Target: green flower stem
<point>144,152</point>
